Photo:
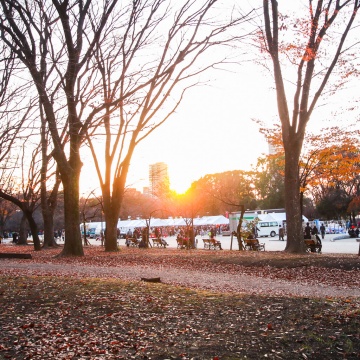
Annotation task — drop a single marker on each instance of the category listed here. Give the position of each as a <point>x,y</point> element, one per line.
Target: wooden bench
<point>159,242</point>
<point>15,256</point>
<point>212,244</point>
<point>254,245</point>
<point>206,243</point>
<point>133,242</point>
<point>312,246</point>
<point>183,243</point>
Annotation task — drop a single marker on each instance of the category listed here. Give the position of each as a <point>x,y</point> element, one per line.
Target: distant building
<point>158,179</point>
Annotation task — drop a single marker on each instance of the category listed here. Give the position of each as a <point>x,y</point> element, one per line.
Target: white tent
<point>216,220</point>
<point>280,217</point>
<point>125,225</point>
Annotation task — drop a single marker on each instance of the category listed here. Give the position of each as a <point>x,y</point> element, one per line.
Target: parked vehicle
<point>268,228</point>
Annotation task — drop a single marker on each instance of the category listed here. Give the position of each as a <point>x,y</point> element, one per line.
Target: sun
<point>179,188</point>
<point>179,182</point>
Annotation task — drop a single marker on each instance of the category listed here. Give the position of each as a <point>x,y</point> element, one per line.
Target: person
<point>317,244</point>
<point>281,233</point>
<point>163,242</point>
<point>218,243</point>
<point>136,234</point>
<point>322,230</point>
<point>314,230</point>
<point>357,231</point>
<point>352,233</point>
<point>15,237</point>
<point>307,231</point>
<point>254,231</point>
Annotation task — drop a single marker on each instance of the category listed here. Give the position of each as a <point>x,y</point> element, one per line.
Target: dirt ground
<point>56,316</point>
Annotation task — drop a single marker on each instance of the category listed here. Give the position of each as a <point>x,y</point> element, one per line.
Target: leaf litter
<point>85,315</point>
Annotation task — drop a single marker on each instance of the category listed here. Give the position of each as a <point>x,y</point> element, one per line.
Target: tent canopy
<point>126,225</point>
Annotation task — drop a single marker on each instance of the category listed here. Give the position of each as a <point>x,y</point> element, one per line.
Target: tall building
<point>158,179</point>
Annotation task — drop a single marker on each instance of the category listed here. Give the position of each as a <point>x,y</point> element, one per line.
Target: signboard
<point>234,218</point>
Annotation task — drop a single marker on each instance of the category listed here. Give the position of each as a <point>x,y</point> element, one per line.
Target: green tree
<point>269,182</point>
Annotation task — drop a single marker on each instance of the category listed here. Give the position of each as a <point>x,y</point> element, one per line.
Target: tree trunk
<point>86,241</point>
<point>23,231</point>
<point>73,244</point>
<point>111,206</point>
<point>28,218</point>
<point>295,237</point>
<point>239,227</point>
<point>48,201</point>
<point>49,238</point>
<point>34,230</point>
<point>111,231</point>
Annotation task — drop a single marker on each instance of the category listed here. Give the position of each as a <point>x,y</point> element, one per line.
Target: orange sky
<point>213,130</point>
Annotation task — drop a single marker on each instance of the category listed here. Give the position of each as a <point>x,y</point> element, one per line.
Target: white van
<point>268,228</point>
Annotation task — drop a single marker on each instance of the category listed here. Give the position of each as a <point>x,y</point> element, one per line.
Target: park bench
<point>312,246</point>
<point>206,243</point>
<point>183,243</point>
<point>158,242</point>
<point>212,244</point>
<point>133,242</point>
<point>254,245</point>
<point>15,256</point>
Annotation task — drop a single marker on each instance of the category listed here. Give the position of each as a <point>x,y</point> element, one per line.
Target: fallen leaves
<point>93,315</point>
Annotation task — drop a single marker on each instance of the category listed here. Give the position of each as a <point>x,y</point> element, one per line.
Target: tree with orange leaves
<point>326,31</point>
<point>329,165</point>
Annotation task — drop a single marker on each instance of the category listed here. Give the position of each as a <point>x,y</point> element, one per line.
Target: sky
<point>211,132</point>
<point>213,129</point>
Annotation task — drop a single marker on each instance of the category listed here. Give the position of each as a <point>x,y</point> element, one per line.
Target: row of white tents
<point>125,225</point>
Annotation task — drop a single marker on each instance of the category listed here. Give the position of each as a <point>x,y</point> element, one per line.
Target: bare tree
<point>158,54</point>
<point>319,41</point>
<point>55,41</point>
<point>13,109</point>
<point>22,182</point>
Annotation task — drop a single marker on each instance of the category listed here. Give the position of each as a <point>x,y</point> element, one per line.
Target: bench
<point>183,243</point>
<point>132,242</point>
<point>212,244</point>
<point>15,256</point>
<point>254,245</point>
<point>312,246</point>
<point>159,242</point>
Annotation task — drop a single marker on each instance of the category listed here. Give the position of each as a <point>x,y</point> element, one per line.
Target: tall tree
<point>324,16</point>
<point>155,57</point>
<point>55,40</point>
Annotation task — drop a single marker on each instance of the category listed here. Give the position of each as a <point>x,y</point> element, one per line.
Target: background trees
<point>109,66</point>
<point>224,192</point>
<point>55,41</point>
